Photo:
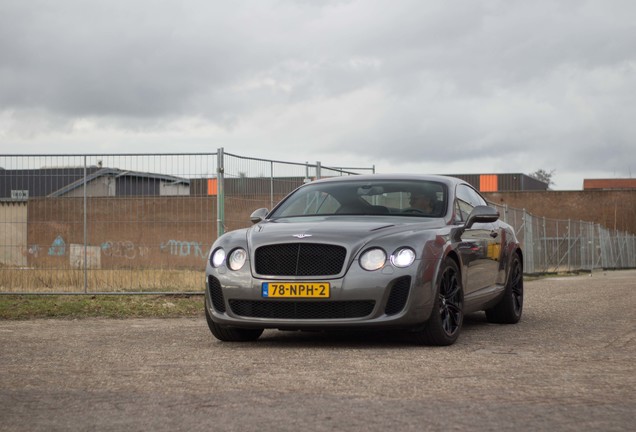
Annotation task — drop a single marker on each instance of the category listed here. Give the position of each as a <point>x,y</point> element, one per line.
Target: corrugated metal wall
<point>501,182</point>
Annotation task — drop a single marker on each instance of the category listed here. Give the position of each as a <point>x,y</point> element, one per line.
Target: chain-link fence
<point>129,223</point>
<point>140,223</point>
<point>250,183</point>
<point>554,245</point>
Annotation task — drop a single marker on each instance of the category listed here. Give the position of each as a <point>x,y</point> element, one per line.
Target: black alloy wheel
<point>517,287</point>
<point>445,323</point>
<point>450,302</point>
<point>510,308</point>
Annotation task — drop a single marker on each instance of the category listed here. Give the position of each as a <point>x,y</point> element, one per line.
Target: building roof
<point>116,173</point>
<point>54,182</point>
<point>616,183</point>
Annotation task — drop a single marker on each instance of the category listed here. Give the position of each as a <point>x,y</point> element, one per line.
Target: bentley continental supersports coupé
<point>407,252</point>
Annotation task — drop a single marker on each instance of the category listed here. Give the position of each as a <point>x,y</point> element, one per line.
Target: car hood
<point>344,230</point>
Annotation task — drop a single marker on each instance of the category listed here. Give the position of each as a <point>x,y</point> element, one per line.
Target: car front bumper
<point>391,298</point>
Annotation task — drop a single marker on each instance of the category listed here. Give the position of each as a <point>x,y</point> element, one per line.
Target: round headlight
<point>403,257</point>
<point>237,259</point>
<point>373,259</point>
<point>218,257</point>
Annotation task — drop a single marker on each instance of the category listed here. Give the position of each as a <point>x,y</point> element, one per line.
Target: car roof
<point>430,177</point>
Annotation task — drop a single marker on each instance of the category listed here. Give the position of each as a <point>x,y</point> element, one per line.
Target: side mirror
<point>481,214</point>
<point>258,215</point>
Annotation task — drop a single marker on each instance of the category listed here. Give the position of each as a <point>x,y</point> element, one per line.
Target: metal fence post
<point>318,170</point>
<point>582,247</point>
<point>220,197</point>
<point>601,236</point>
<point>569,245</point>
<point>545,246</point>
<point>85,230</point>
<point>271,185</point>
<point>618,263</point>
<point>529,242</point>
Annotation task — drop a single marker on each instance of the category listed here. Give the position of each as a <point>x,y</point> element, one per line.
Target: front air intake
<point>299,310</point>
<point>216,294</point>
<point>399,295</point>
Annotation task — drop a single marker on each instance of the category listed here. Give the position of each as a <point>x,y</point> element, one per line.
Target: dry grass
<point>44,281</point>
<point>20,307</point>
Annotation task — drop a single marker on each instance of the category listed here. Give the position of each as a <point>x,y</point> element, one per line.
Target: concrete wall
<point>174,232</point>
<point>614,209</point>
<point>13,234</point>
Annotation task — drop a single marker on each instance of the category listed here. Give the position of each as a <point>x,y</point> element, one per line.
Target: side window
<point>467,199</point>
<point>462,210</point>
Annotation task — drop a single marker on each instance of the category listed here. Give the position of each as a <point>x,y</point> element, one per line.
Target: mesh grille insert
<point>216,294</point>
<point>399,295</point>
<point>300,259</point>
<point>302,310</point>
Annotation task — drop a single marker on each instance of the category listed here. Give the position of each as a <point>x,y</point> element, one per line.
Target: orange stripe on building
<point>212,187</point>
<point>488,183</point>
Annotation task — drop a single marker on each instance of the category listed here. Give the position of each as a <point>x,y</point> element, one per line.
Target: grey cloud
<point>454,78</point>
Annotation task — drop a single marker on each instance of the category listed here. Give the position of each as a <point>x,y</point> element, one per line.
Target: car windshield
<point>375,197</point>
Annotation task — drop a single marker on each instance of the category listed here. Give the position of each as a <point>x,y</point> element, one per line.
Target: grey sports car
<point>408,252</point>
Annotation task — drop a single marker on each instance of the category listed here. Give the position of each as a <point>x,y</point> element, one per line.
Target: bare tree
<point>544,176</point>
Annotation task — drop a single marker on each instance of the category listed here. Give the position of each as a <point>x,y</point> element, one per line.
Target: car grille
<point>398,296</point>
<point>300,259</point>
<point>216,294</point>
<point>302,309</point>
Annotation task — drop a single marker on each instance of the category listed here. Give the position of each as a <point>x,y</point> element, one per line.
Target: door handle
<point>494,234</point>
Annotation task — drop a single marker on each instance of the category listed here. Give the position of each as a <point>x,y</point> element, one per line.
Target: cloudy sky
<point>479,86</point>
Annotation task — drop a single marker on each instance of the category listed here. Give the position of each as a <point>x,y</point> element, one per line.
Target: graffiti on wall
<point>58,247</point>
<point>126,249</point>
<point>183,248</point>
<point>123,249</point>
<point>34,250</point>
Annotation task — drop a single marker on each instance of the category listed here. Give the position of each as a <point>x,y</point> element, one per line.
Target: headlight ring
<point>373,259</point>
<point>217,258</point>
<point>236,259</point>
<point>403,257</point>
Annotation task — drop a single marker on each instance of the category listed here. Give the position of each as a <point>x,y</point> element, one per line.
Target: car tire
<point>445,323</point>
<point>231,334</point>
<point>510,307</point>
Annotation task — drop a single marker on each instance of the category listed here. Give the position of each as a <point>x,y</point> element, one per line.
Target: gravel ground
<point>568,365</point>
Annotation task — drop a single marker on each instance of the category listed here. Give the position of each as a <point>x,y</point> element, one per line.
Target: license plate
<point>296,289</point>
